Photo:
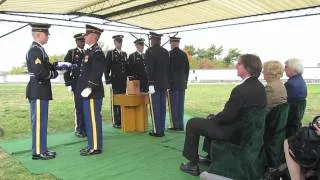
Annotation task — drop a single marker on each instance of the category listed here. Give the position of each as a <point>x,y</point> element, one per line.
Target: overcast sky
<point>272,40</point>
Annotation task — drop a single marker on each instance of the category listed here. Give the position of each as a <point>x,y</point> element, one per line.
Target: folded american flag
<point>60,66</point>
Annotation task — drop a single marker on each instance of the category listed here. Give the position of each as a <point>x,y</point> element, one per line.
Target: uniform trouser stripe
<point>152,114</point>
<point>94,126</point>
<point>170,109</point>
<point>38,120</point>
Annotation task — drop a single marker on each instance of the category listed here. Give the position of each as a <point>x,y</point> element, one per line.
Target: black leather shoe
<point>155,134</point>
<point>190,169</point>
<point>117,126</point>
<point>80,134</point>
<point>42,156</point>
<point>90,152</point>
<point>51,153</point>
<point>204,159</point>
<point>84,149</point>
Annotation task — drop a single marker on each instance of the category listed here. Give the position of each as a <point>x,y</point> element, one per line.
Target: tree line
<point>211,58</point>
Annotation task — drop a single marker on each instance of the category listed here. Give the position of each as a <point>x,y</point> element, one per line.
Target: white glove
<point>151,89</point>
<point>63,71</point>
<point>86,92</point>
<point>69,89</point>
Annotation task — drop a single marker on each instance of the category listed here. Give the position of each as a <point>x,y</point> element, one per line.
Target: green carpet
<point>125,156</point>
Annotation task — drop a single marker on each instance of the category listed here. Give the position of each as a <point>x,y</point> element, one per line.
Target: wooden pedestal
<point>134,111</point>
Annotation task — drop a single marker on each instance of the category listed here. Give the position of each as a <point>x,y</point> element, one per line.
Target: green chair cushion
<point>274,135</point>
<point>295,115</point>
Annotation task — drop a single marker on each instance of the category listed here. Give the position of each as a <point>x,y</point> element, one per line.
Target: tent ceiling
<point>158,14</point>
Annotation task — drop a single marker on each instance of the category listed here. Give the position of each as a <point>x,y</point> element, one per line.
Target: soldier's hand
<point>69,89</point>
<point>86,92</point>
<point>151,89</point>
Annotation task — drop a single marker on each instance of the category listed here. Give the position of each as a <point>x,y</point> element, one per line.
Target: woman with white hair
<point>297,93</point>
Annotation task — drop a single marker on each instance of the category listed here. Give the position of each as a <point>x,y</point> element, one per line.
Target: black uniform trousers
<point>158,110</point>
<point>92,114</point>
<point>116,116</point>
<point>176,107</point>
<point>80,125</point>
<point>116,119</point>
<point>39,124</point>
<point>197,127</point>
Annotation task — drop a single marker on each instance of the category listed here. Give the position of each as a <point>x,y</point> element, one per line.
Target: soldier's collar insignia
<point>37,61</point>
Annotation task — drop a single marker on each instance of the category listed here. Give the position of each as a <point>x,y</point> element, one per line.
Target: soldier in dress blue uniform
<point>38,90</point>
<point>137,66</point>
<point>158,75</point>
<point>115,73</point>
<point>90,89</point>
<point>76,56</point>
<point>179,73</point>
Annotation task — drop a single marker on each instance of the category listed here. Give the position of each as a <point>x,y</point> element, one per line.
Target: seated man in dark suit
<point>227,124</point>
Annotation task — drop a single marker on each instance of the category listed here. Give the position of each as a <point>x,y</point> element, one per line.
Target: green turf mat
<point>125,156</point>
<point>56,139</point>
<point>64,138</point>
<point>128,157</point>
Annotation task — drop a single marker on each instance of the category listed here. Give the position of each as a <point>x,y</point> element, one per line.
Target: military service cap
<point>139,41</point>
<point>155,35</point>
<point>174,38</point>
<point>118,37</point>
<point>37,27</point>
<point>79,36</point>
<point>92,29</point>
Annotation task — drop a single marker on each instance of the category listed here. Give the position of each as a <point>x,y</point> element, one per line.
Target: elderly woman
<point>297,93</point>
<point>296,86</point>
<point>276,91</point>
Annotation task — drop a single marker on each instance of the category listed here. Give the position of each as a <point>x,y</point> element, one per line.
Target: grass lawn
<point>15,117</point>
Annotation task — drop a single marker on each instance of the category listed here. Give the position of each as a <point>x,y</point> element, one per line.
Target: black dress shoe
<point>204,159</point>
<point>51,153</point>
<point>155,134</point>
<point>42,156</point>
<point>80,134</point>
<point>117,126</point>
<point>90,152</point>
<point>190,169</point>
<point>84,149</point>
